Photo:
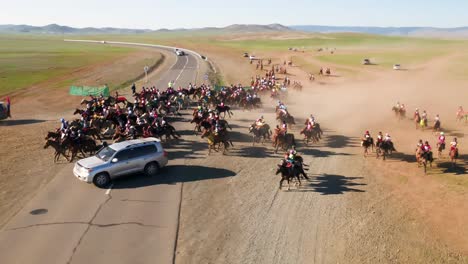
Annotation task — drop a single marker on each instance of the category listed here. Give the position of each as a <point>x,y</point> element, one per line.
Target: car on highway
<point>3,111</point>
<point>129,157</point>
<point>179,52</point>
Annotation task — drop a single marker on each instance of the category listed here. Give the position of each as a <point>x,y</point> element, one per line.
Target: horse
<point>224,109</point>
<point>59,149</point>
<point>285,141</point>
<point>221,139</point>
<point>53,135</point>
<point>366,144</point>
<point>400,113</point>
<point>436,127</point>
<point>166,130</point>
<point>385,149</point>
<point>440,148</point>
<point>259,133</point>
<point>417,120</point>
<point>422,158</point>
<point>289,119</point>
<point>288,173</point>
<point>453,156</point>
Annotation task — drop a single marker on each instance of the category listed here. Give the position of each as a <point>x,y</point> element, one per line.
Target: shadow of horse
<point>328,184</point>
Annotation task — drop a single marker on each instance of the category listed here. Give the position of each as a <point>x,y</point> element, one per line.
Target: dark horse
<point>260,132</point>
<point>224,109</point>
<point>288,172</point>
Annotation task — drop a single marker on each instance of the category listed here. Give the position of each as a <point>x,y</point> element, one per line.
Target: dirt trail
<point>355,209</point>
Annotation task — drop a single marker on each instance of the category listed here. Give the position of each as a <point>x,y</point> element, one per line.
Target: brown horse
<point>221,139</point>
<point>283,141</point>
<point>59,149</point>
<point>453,156</point>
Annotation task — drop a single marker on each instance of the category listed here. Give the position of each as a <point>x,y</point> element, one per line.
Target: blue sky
<point>155,14</point>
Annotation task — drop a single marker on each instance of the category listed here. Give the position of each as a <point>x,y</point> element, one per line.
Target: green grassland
<point>351,48</point>
<point>28,60</point>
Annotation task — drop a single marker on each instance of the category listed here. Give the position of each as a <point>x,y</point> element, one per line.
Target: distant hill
<point>58,29</point>
<point>390,31</point>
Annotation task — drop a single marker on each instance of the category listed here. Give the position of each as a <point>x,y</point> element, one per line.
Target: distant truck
<point>3,111</point>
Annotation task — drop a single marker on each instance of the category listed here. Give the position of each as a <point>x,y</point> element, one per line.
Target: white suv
<point>140,155</point>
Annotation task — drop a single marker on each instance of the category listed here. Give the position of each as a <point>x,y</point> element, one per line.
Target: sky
<point>156,14</point>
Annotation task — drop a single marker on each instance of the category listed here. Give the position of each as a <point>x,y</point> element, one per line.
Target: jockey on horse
<point>380,139</point>
<point>427,151</point>
<point>259,123</point>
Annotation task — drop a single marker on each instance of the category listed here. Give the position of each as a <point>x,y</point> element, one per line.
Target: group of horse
<point>381,148</point>
<point>421,121</point>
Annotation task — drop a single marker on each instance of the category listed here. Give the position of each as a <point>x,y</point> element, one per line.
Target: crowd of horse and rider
<point>423,151</point>
<point>152,112</point>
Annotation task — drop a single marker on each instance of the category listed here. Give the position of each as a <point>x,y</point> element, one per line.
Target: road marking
<point>109,190</point>
<point>182,69</point>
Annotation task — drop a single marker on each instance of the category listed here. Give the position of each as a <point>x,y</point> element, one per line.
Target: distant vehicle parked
<point>246,55</point>
<point>252,57</point>
<point>3,111</point>
<point>116,160</point>
<point>397,67</point>
<point>103,42</point>
<point>366,62</point>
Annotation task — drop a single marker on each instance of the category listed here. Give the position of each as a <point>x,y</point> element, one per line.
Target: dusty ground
<point>25,166</point>
<point>354,210</point>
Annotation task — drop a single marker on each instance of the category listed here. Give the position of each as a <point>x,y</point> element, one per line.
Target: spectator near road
<point>8,104</point>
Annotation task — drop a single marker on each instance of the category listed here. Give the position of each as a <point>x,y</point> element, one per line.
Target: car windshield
<point>106,153</point>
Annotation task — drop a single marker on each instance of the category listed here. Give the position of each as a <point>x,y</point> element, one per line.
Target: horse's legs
<point>281,182</point>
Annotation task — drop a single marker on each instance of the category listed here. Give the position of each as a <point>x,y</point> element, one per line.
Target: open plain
<point>228,208</point>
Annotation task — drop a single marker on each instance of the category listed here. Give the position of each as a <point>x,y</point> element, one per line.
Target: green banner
<point>89,90</point>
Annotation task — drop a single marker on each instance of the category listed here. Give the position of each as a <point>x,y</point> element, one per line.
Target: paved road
<point>72,222</point>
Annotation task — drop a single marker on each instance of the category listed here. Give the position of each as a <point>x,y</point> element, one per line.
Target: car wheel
<point>152,169</point>
<point>101,180</point>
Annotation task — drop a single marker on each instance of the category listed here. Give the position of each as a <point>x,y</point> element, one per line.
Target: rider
<point>380,139</point>
<point>420,144</point>
<point>63,124</point>
<point>441,141</point>
<point>284,128</point>
<point>259,123</point>
<point>427,150</point>
<point>453,144</point>
<point>367,135</point>
<point>424,114</point>
<point>402,108</point>
<point>398,106</point>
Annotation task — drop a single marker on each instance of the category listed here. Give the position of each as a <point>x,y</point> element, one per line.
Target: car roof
<point>132,143</point>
